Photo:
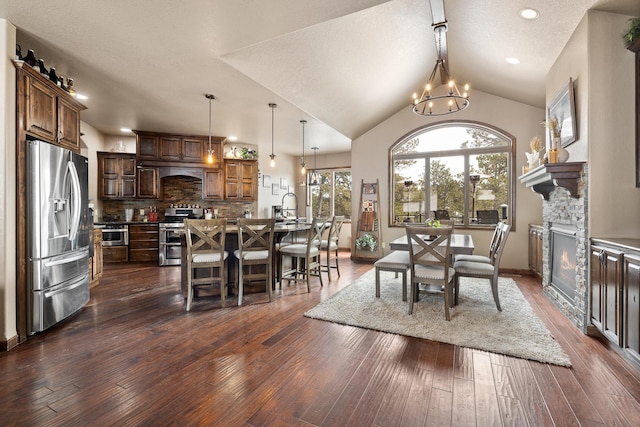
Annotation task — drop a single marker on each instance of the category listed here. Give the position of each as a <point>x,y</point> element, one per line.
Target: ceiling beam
<point>439,19</point>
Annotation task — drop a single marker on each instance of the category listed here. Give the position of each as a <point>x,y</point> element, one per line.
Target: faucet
<point>296,200</point>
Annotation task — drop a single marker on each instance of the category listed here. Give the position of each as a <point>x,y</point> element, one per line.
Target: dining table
<point>460,244</point>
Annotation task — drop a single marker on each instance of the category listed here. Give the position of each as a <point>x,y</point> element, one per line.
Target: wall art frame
<point>563,107</point>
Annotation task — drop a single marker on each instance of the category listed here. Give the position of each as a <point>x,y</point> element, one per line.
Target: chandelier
<point>210,152</point>
<point>438,100</point>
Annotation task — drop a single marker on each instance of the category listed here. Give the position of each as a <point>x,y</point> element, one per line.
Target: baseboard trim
<point>6,345</point>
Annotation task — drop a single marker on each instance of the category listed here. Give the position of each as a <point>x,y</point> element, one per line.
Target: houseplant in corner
<point>366,240</point>
<point>633,31</point>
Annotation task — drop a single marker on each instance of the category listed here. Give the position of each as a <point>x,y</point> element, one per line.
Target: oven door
<point>170,250</point>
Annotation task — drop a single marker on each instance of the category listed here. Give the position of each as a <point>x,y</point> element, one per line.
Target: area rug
<point>475,322</point>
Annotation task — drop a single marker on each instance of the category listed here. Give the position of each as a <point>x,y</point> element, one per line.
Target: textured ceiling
<point>343,65</point>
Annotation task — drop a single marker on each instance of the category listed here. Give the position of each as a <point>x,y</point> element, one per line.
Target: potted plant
<point>633,31</point>
<point>366,240</point>
<point>435,223</point>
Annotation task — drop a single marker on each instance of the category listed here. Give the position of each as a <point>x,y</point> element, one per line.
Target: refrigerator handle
<point>76,200</point>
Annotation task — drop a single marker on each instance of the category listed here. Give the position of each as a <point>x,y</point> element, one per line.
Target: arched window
<point>456,169</point>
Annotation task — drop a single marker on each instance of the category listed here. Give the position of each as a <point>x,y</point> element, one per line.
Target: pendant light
<point>210,152</point>
<point>314,178</point>
<point>303,165</point>
<point>272,156</point>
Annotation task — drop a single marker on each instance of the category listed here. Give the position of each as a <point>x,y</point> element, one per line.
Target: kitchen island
<point>282,231</point>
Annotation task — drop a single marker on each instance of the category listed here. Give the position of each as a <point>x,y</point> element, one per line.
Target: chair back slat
<point>334,230</point>
<point>255,234</point>
<point>210,235</point>
<point>429,252</point>
<point>501,241</point>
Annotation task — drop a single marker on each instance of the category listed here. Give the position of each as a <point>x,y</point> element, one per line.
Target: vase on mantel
<point>557,154</point>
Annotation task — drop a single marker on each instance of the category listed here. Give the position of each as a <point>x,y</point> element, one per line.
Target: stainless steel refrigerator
<point>58,239</point>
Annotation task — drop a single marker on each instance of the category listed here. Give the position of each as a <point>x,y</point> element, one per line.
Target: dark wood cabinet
<point>116,176</point>
<point>147,146</point>
<point>46,111</point>
<point>111,254</point>
<point>143,242</point>
<point>606,291</point>
<point>173,149</point>
<point>615,292</point>
<point>182,149</point>
<point>631,302</point>
<point>241,179</point>
<point>193,150</point>
<point>96,262</point>
<point>148,182</point>
<point>535,249</point>
<point>212,184</point>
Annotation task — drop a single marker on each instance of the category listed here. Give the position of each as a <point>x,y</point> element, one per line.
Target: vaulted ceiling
<point>343,65</point>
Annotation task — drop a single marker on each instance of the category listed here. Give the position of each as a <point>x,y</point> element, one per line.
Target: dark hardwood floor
<point>133,356</point>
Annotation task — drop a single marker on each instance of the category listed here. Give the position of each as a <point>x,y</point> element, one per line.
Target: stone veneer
<point>561,208</point>
<point>177,190</point>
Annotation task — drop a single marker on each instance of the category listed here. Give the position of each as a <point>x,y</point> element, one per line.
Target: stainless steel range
<point>171,227</point>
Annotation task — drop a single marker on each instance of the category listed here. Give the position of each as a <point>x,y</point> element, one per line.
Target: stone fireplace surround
<point>562,208</point>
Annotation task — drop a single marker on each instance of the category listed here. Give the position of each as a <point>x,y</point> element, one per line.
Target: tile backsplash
<point>175,190</point>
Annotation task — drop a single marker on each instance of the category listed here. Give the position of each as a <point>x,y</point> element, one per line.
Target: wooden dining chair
<point>484,270</point>
<point>330,246</point>
<point>430,262</point>
<point>205,250</point>
<point>305,256</point>
<point>488,259</point>
<point>255,247</point>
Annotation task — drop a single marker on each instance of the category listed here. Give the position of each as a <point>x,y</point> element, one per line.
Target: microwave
<point>115,235</point>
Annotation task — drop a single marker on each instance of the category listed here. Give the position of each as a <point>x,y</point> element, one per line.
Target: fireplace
<point>565,248</point>
<point>563,260</point>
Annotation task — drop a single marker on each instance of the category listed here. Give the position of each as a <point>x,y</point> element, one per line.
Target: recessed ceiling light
<point>513,61</point>
<point>529,13</point>
<point>81,96</point>
<point>125,130</point>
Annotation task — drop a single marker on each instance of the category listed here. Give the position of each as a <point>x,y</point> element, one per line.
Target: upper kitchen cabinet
<point>147,146</point>
<point>148,183</point>
<point>116,176</point>
<point>46,111</point>
<point>176,148</point>
<point>212,184</point>
<point>241,179</point>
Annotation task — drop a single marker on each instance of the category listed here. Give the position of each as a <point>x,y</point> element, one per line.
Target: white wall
<point>91,142</point>
<point>370,160</point>
<point>285,168</point>
<point>7,183</point>
<point>614,200</point>
<point>604,73</point>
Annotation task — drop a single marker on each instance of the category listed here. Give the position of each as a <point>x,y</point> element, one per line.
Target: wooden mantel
<point>545,178</point>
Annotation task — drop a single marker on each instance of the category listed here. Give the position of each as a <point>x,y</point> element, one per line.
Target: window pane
<point>491,189</point>
<point>409,191</point>
<point>447,138</point>
<point>321,196</point>
<point>342,195</point>
<point>447,188</point>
